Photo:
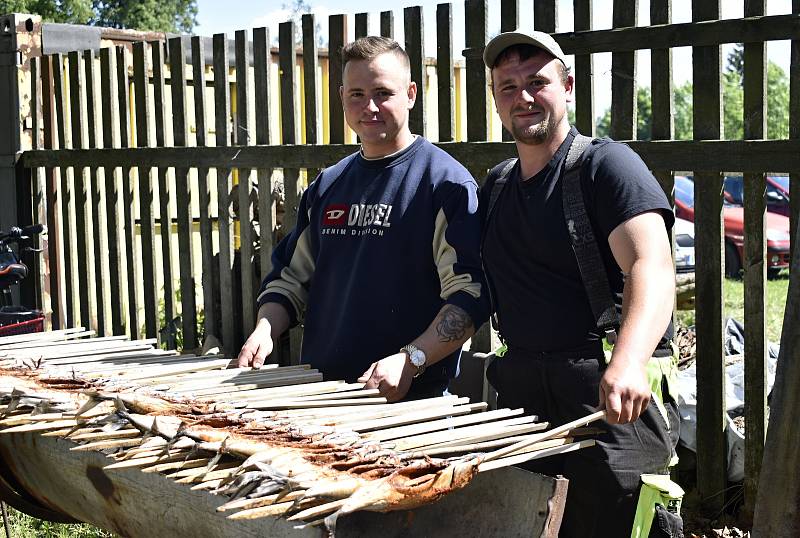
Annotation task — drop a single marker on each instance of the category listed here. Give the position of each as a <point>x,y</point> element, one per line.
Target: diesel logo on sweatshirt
<point>335,215</point>
<point>369,215</point>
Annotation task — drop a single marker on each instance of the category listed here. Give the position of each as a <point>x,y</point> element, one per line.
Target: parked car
<point>777,192</point>
<point>684,245</point>
<point>777,231</point>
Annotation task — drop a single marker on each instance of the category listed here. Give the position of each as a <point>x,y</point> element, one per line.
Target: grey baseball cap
<point>501,42</point>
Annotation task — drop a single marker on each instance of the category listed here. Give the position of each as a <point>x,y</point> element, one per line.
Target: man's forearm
<point>276,316</point>
<point>447,333</point>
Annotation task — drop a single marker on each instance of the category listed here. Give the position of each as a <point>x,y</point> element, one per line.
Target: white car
<point>684,245</point>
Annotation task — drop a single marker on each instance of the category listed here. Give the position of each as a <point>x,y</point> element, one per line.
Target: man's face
<point>530,97</point>
<point>377,96</point>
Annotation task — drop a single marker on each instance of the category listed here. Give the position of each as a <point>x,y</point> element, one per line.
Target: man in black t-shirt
<point>555,365</point>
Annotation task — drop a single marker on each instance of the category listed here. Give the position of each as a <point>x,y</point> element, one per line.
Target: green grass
<point>733,306</point>
<point>24,526</point>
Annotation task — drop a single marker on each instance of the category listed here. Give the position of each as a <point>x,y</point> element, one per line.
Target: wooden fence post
<point>584,73</point>
<point>415,48</point>
<point>711,416</point>
<point>755,340</point>
<point>777,512</point>
<point>183,196</point>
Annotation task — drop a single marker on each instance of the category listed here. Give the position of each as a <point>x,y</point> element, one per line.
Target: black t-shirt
<point>539,296</point>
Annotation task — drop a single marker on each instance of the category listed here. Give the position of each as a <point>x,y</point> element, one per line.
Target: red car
<point>777,231</point>
<point>777,193</point>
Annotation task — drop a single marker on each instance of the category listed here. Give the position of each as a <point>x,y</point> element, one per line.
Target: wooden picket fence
<point>109,195</point>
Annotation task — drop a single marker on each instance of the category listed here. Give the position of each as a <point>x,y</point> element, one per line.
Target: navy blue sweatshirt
<point>379,247</point>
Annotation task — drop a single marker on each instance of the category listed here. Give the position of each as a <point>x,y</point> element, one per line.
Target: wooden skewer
<point>467,435</point>
<point>143,462</point>
<point>446,423</point>
<point>176,465</point>
<point>211,484</point>
<point>306,404</point>
<point>111,443</point>
<point>62,334</point>
<point>409,418</point>
<point>101,435</point>
<point>247,504</point>
<point>598,415</point>
<point>316,511</point>
<point>264,511</point>
<point>41,426</point>
<point>521,458</point>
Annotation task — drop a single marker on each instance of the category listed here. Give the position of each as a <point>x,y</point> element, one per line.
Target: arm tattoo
<point>453,324</point>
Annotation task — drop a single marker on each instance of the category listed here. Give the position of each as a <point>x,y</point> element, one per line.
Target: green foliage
<point>67,11</point>
<point>732,105</point>
<point>733,298</point>
<point>24,526</point>
<point>155,15</point>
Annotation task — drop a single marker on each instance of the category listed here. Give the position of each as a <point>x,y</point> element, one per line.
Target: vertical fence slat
<point>545,15</point>
<point>476,21</point>
<point>387,24</point>
<point>164,188</point>
<point>310,78</point>
<point>584,73</point>
<point>337,33</point>
<point>475,15</point>
<point>99,242</point>
<point>362,25</point>
<point>310,85</point>
<point>755,340</point>
<point>209,290</point>
<point>37,265</point>
<point>245,183</point>
<point>415,48</point>
<point>108,89</point>
<point>141,81</point>
<point>223,138</point>
<point>509,21</point>
<point>65,188</point>
<point>84,271</point>
<point>711,451</point>
<point>662,91</point>
<point>444,72</point>
<point>289,126</point>
<point>794,127</point>
<point>261,61</point>
<point>183,196</point>
<point>623,77</point>
<point>52,195</point>
<point>133,273</point>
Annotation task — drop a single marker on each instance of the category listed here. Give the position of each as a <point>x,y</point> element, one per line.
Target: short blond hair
<point>370,47</point>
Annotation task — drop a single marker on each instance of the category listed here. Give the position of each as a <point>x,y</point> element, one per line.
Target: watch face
<point>417,358</point>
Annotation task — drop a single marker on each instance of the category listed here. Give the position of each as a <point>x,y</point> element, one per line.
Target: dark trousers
<point>603,479</point>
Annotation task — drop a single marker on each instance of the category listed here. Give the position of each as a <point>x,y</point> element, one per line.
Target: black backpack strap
<point>505,168</point>
<point>501,172</point>
<point>584,244</point>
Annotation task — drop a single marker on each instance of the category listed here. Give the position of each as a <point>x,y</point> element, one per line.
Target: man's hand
<point>624,391</point>
<point>258,346</point>
<point>392,376</point>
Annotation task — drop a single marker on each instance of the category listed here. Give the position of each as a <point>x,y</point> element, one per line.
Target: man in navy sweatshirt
<point>383,268</point>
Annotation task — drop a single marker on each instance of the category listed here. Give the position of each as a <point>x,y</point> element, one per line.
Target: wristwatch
<point>416,356</point>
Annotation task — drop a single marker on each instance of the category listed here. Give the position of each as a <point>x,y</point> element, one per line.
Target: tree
<point>155,15</point>
<point>732,104</point>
